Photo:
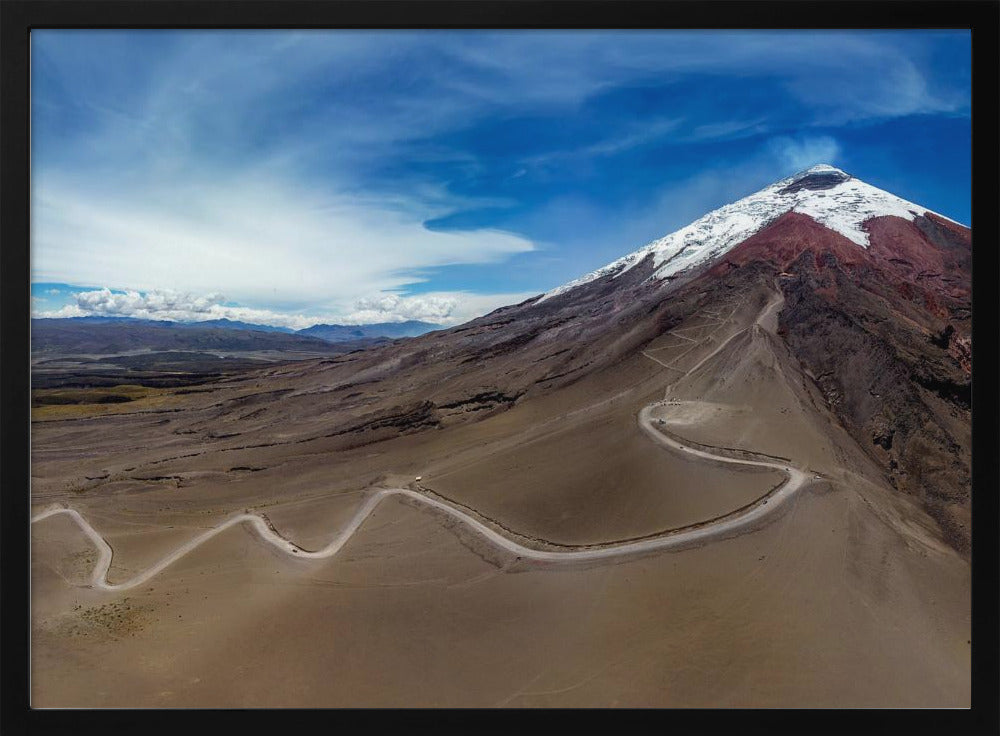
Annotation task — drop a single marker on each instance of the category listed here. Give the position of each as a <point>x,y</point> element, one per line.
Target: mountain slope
<point>878,312</point>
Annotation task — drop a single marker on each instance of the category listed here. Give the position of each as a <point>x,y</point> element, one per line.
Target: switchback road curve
<point>795,480</point>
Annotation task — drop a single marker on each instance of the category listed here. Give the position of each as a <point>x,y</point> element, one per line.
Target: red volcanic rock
<point>927,261</point>
<point>963,233</point>
<point>785,239</point>
<point>901,248</point>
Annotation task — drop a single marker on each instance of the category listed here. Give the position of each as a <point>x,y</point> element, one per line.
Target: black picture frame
<point>18,18</point>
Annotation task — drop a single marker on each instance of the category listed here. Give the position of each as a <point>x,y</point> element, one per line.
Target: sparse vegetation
<point>116,620</point>
<point>62,403</point>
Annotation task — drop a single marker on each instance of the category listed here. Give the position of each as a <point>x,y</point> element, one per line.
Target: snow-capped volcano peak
<point>828,195</point>
<point>821,168</point>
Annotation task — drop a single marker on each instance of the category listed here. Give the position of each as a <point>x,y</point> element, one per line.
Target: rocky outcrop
<point>818,181</point>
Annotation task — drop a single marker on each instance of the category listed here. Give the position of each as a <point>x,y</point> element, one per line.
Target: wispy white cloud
<point>636,135</point>
<point>842,76</point>
<point>633,135</point>
<point>262,240</point>
<point>804,151</point>
<point>728,129</point>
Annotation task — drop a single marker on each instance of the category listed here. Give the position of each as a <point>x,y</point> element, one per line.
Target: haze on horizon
<point>289,178</point>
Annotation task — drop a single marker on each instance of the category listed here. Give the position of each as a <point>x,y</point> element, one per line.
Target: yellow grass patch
<point>63,403</point>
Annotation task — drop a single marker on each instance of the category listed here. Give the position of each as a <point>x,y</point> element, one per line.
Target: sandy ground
<point>844,598</point>
<point>821,608</point>
<point>549,487</point>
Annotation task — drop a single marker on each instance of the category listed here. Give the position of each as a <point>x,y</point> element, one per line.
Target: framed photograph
<point>452,357</point>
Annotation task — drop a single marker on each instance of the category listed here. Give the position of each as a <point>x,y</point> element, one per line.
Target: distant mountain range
<point>112,336</point>
<point>236,325</point>
<point>342,333</point>
<point>327,333</point>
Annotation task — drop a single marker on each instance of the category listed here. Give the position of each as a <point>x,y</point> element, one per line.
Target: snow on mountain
<point>830,196</point>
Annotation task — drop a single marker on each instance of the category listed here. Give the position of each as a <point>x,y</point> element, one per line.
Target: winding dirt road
<point>671,539</point>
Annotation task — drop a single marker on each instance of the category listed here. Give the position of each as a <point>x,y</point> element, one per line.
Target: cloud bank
<point>440,308</point>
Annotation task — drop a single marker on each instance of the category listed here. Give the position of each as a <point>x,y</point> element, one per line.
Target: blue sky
<point>361,176</point>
